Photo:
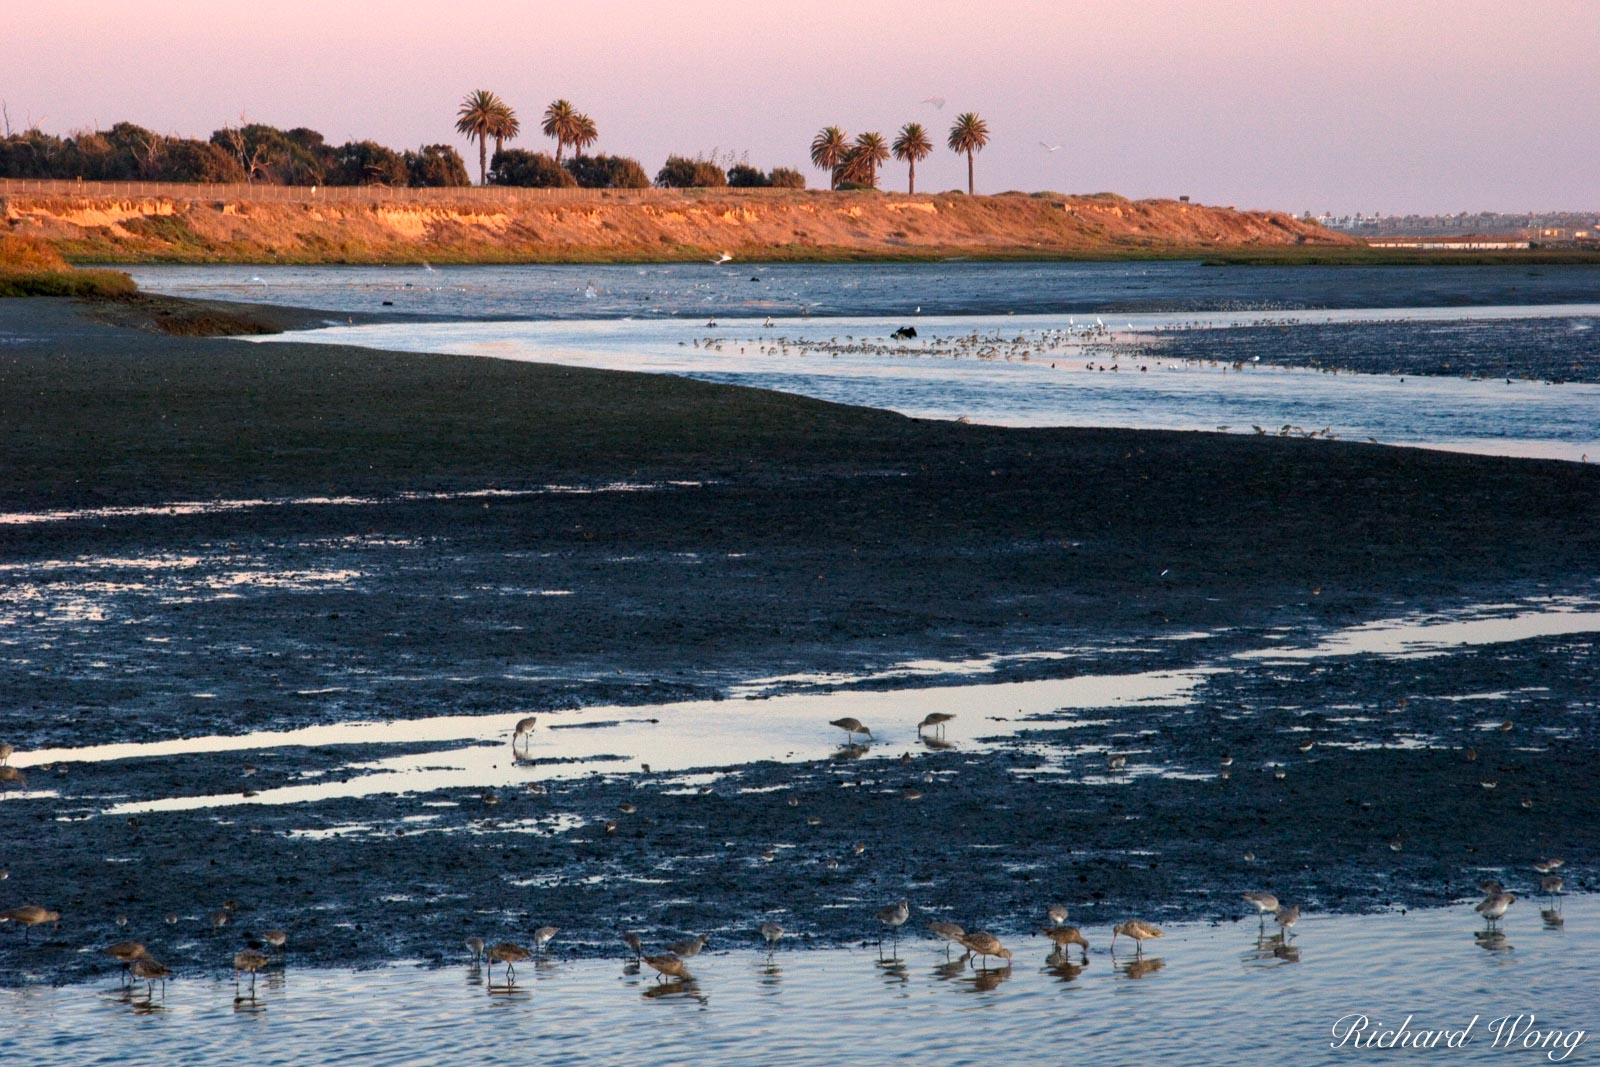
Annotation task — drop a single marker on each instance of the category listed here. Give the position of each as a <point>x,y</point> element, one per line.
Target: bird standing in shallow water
<point>851,727</point>
<point>523,733</point>
<point>28,916</point>
<point>1495,905</point>
<point>510,955</point>
<point>634,944</point>
<point>894,916</point>
<point>150,972</point>
<point>1062,936</point>
<point>949,933</point>
<point>1264,903</point>
<point>668,965</point>
<point>543,936</point>
<point>1137,929</point>
<point>1057,914</point>
<point>475,946</point>
<point>935,719</point>
<point>248,960</point>
<point>1286,919</point>
<point>984,944</point>
<point>771,932</point>
<point>126,952</point>
<point>687,949</point>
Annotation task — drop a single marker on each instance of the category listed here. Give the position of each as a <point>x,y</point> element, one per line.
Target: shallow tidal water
<point>1204,994</point>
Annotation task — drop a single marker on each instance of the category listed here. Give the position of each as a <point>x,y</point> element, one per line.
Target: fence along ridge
<point>352,194</point>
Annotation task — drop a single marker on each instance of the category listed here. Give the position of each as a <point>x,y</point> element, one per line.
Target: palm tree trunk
<point>969,172</point>
<point>560,144</point>
<point>483,162</point>
<point>912,187</point>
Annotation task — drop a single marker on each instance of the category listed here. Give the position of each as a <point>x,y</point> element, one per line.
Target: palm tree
<point>560,122</point>
<point>969,135</point>
<point>506,128</point>
<point>584,133</point>
<point>480,116</point>
<point>871,149</point>
<point>912,146</point>
<point>828,151</point>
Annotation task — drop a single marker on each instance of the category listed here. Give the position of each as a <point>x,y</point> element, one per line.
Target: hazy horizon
<point>1426,106</point>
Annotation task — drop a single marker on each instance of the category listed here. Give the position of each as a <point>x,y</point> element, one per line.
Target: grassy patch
<point>30,267</point>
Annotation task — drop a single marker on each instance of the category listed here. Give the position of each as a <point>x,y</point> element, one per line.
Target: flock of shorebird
<point>140,965</point>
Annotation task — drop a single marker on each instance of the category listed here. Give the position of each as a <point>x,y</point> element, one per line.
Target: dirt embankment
<point>620,227</point>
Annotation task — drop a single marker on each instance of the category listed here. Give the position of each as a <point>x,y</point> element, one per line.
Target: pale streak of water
<point>1052,387</point>
<point>1202,995</point>
<point>790,727</point>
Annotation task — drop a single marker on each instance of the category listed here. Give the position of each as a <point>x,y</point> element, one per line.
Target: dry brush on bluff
<point>643,226</point>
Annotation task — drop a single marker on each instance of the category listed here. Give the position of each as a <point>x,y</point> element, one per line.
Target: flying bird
<point>1050,147</point>
<point>936,101</point>
<point>724,258</point>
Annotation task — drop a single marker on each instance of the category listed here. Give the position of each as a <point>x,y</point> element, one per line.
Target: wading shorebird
<point>1490,886</point>
<point>1062,936</point>
<point>1116,761</point>
<point>985,945</point>
<point>668,965</point>
<point>523,733</point>
<point>949,933</point>
<point>1137,929</point>
<point>125,952</point>
<point>1286,919</point>
<point>1057,914</point>
<point>28,916</point>
<point>6,749</point>
<point>894,917</point>
<point>1494,906</point>
<point>510,955</point>
<point>150,972</point>
<point>635,945</point>
<point>1549,866</point>
<point>851,727</point>
<point>1264,903</point>
<point>1552,885</point>
<point>543,936</point>
<point>935,719</point>
<point>771,932</point>
<point>278,939</point>
<point>251,961</point>
<point>475,946</point>
<point>11,774</point>
<point>687,949</point>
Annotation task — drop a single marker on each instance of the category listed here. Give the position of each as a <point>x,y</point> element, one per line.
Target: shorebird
<point>1050,147</point>
<point>28,916</point>
<point>1495,905</point>
<point>1490,886</point>
<point>771,932</point>
<point>1137,929</point>
<point>6,748</point>
<point>11,774</point>
<point>1552,885</point>
<point>249,960</point>
<point>1062,936</point>
<point>219,918</point>
<point>126,952</point>
<point>1115,761</point>
<point>894,916</point>
<point>475,946</point>
<point>1057,914</point>
<point>634,944</point>
<point>1264,903</point>
<point>523,733</point>
<point>949,933</point>
<point>984,944</point>
<point>934,718</point>
<point>687,949</point>
<point>723,258</point>
<point>510,955</point>
<point>1286,918</point>
<point>150,972</point>
<point>668,966</point>
<point>1549,866</point>
<point>276,938</point>
<point>542,936</point>
<point>851,727</point>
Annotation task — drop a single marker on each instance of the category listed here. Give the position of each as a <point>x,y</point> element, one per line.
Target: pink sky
<point>1391,105</point>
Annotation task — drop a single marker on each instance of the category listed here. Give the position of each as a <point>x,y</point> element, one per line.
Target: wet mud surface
<point>833,541</point>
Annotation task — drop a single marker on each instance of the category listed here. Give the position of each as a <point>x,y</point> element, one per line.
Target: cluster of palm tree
<point>483,116</point>
<point>857,162</point>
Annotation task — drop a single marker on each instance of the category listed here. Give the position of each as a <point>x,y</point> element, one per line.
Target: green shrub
<point>786,178</point>
<point>680,172</point>
<point>608,172</point>
<point>531,170</point>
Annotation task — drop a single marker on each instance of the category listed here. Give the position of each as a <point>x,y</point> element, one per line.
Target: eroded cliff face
<point>781,226</point>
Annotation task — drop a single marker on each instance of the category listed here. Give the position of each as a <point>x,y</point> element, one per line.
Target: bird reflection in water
<point>769,974</point>
<point>985,979</point>
<point>1553,919</point>
<point>894,969</point>
<point>951,969</point>
<point>849,752</point>
<point>1139,966</point>
<point>1491,940</point>
<point>937,744</point>
<point>674,989</point>
<point>1062,967</point>
<point>1272,948</point>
